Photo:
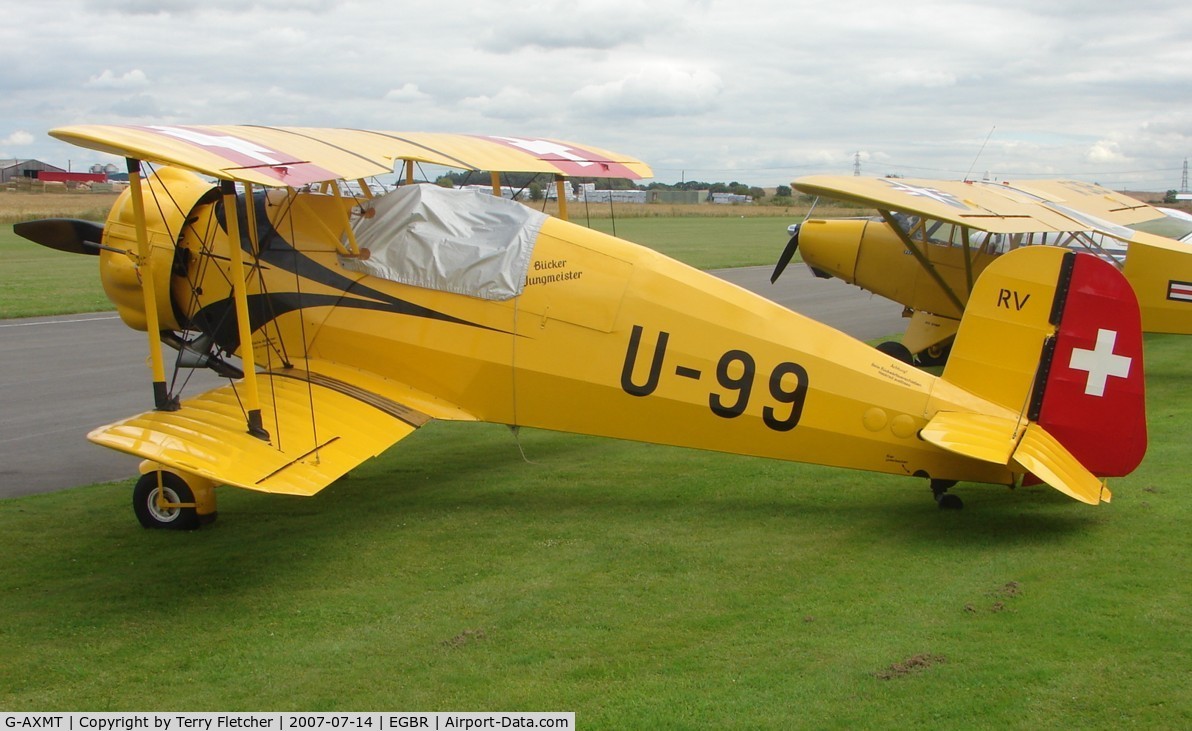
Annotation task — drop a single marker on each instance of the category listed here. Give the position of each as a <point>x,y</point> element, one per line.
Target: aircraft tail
<point>1054,336</point>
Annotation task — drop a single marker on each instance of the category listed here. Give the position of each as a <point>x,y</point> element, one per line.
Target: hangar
<point>14,169</point>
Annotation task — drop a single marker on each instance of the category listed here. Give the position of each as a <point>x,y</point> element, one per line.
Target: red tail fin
<point>1089,393</point>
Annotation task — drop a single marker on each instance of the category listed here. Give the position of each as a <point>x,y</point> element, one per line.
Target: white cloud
<point>909,76</point>
<point>1105,152</point>
<point>20,138</point>
<point>661,90</point>
<point>510,103</point>
<point>127,80</point>
<point>406,93</point>
<point>576,24</point>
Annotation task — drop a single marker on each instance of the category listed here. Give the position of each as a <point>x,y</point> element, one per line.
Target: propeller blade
<point>71,235</point>
<point>787,254</point>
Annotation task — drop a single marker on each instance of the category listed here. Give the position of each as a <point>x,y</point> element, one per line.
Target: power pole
<point>857,168</point>
<point>1184,179</point>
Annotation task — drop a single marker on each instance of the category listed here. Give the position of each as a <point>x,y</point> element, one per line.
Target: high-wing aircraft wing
<point>297,156</point>
<point>992,208</point>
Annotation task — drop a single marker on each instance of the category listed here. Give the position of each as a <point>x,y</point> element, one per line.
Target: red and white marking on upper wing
<point>230,143</point>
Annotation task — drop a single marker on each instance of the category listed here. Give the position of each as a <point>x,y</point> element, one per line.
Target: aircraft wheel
<point>936,355</point>
<point>897,350</point>
<point>948,501</point>
<point>144,502</point>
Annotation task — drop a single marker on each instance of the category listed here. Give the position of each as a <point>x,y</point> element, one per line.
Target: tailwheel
<point>936,355</point>
<point>943,498</point>
<point>164,500</point>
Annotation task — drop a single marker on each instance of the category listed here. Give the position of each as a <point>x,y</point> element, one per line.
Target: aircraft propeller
<point>788,253</point>
<point>71,235</point>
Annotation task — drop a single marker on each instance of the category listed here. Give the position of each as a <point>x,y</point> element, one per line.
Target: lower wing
<point>319,428</point>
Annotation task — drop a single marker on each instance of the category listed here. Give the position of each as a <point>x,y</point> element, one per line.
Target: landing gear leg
<point>943,498</point>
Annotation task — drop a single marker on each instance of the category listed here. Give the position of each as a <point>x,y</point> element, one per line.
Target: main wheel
<point>897,350</point>
<point>144,502</point>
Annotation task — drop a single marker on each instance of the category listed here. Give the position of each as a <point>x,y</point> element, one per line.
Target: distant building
<point>16,169</point>
<point>57,176</point>
<point>728,199</point>
<point>588,193</point>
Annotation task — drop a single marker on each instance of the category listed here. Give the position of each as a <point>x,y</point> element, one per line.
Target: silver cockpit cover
<point>461,241</point>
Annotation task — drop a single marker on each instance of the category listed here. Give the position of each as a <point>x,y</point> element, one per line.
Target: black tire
<point>948,501</point>
<point>897,350</point>
<point>144,503</point>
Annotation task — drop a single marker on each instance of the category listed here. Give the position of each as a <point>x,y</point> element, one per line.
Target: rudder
<point>1056,336</point>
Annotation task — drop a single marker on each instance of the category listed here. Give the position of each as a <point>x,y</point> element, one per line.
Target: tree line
<point>536,182</point>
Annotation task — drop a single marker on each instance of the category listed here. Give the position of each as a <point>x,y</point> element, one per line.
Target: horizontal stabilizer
<point>1043,456</point>
<point>1000,440</point>
<point>207,436</point>
<point>980,436</point>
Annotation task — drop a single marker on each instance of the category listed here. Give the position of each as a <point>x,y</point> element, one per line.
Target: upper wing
<point>296,156</point>
<point>207,435</point>
<point>993,208</point>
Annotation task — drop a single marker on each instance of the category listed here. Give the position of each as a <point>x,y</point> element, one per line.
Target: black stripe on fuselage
<point>219,318</point>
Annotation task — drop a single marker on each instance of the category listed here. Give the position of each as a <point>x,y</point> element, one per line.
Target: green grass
<point>640,586</point>
<point>36,281</point>
<point>704,243</point>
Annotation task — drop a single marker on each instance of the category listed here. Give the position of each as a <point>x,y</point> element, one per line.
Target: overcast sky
<point>754,92</point>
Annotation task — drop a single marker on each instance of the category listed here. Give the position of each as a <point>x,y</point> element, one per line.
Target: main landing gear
<point>169,501</point>
<point>943,498</point>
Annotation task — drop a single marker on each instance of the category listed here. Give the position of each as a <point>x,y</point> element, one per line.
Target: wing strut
<point>161,396</point>
<point>240,298</point>
<point>561,191</point>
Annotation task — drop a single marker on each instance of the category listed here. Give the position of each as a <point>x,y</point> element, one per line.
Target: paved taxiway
<point>63,376</point>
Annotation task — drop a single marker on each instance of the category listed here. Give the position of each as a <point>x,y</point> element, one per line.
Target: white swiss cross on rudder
<point>1100,363</point>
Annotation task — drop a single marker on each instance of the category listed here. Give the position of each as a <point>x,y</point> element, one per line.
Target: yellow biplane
<point>344,323</point>
<point>934,238</point>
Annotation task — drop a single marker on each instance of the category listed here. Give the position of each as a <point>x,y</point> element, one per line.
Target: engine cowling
<point>166,214</point>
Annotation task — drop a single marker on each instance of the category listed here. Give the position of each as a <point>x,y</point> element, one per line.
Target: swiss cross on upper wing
<point>1094,395</point>
<point>226,144</point>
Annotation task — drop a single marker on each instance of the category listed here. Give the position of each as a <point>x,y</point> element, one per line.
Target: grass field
<point>38,281</point>
<point>639,586</point>
<point>642,587</point>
